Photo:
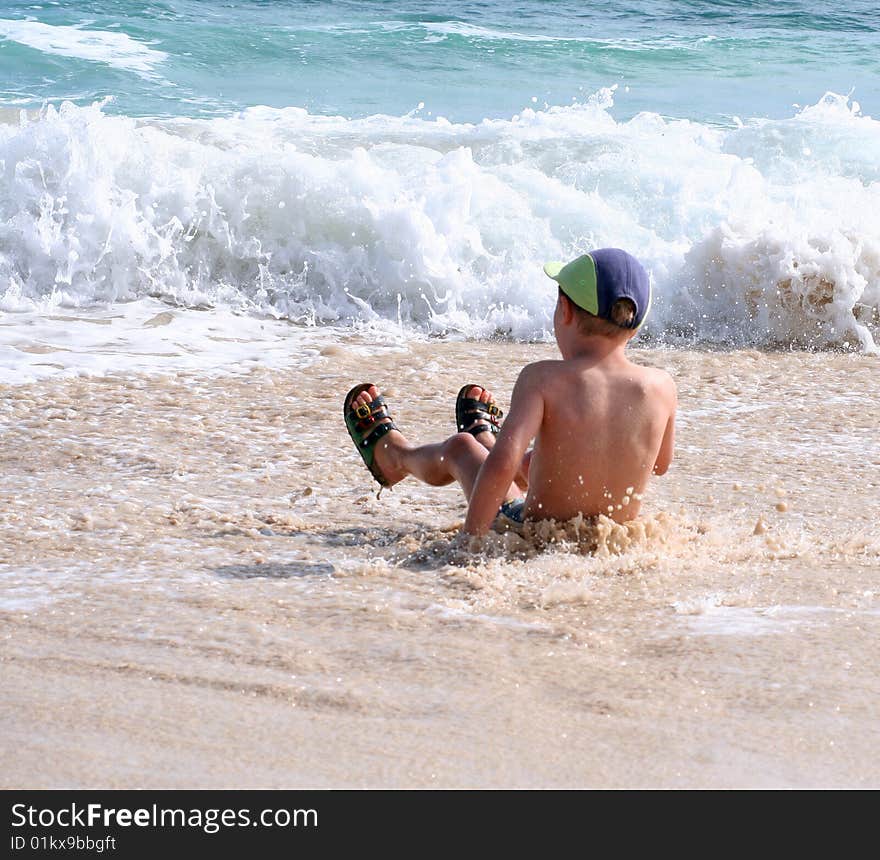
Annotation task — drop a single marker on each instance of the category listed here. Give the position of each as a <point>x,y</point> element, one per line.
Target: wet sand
<point>199,588</point>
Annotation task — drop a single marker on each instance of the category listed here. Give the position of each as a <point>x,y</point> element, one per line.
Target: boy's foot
<point>365,414</point>
<point>476,412</point>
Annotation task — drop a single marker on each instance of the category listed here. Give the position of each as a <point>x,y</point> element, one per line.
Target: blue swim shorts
<point>513,510</point>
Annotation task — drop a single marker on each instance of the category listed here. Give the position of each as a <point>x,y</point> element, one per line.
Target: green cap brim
<point>577,280</point>
<point>552,270</point>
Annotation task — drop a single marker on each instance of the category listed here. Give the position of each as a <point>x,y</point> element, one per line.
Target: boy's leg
<point>487,439</point>
<point>459,458</point>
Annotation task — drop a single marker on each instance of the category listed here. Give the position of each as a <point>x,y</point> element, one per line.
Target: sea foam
<point>764,233</point>
<point>114,49</point>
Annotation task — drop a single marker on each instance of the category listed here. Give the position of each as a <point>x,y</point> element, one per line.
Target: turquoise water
<point>707,61</point>
<point>409,167</point>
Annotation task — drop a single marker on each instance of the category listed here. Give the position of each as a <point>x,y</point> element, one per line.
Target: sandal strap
<point>368,414</point>
<point>482,416</point>
<point>470,405</point>
<point>377,433</point>
<point>376,405</point>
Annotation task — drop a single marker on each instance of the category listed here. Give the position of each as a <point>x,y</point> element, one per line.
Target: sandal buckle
<point>363,411</point>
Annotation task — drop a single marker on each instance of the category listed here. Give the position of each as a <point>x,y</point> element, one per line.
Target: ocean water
<point>687,59</point>
<point>410,168</point>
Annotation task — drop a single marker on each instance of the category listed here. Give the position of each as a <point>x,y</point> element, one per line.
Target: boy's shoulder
<point>663,377</point>
<point>660,380</point>
<point>549,374</point>
<point>651,370</point>
<point>544,365</point>
<point>537,371</point>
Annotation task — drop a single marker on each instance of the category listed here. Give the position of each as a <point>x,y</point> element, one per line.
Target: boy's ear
<point>567,307</point>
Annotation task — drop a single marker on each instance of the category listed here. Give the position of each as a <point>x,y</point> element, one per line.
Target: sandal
<point>364,429</point>
<point>483,416</point>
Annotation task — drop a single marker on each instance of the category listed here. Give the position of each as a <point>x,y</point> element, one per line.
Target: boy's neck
<point>594,348</point>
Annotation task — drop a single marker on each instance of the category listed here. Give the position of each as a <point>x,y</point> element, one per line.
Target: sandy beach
<point>201,589</point>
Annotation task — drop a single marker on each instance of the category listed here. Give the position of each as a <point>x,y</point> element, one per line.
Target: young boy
<point>601,424</point>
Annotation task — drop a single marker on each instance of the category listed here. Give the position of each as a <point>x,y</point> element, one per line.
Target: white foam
<point>149,336</point>
<point>100,46</point>
<point>476,32</point>
<point>714,619</point>
<point>460,28</point>
<point>441,228</point>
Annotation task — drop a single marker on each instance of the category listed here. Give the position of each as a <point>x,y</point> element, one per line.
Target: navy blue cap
<point>595,281</point>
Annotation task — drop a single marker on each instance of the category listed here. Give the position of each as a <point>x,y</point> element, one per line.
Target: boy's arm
<point>664,455</point>
<point>506,457</point>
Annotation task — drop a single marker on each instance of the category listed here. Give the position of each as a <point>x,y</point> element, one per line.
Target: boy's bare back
<point>605,426</point>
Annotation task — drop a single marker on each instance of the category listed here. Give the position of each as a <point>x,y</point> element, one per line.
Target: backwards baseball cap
<point>597,280</point>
